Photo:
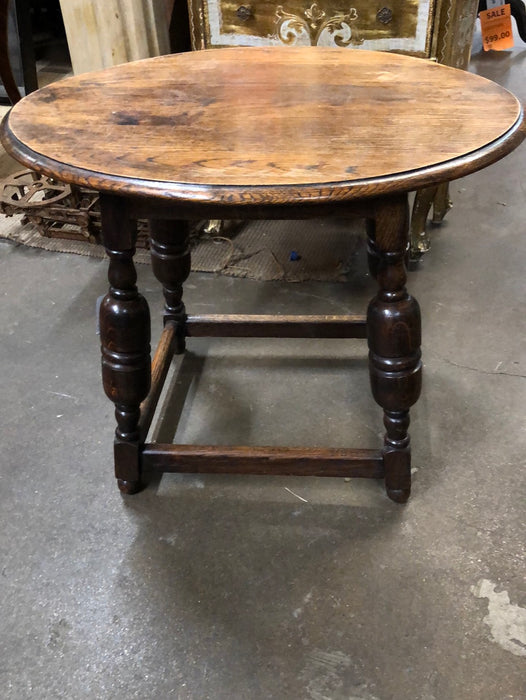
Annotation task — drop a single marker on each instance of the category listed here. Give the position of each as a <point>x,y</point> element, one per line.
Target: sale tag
<point>496,28</point>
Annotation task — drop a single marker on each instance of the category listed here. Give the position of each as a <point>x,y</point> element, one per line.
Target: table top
<point>265,125</point>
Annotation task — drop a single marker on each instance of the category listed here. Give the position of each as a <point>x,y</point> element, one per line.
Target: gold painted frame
<point>255,22</point>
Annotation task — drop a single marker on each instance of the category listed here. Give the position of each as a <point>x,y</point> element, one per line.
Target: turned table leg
<point>373,256</point>
<point>170,252</point>
<point>125,341</point>
<point>393,326</point>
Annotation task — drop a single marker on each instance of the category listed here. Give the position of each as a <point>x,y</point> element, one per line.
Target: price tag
<point>495,23</point>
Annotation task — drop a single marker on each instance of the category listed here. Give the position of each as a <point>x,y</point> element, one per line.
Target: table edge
<point>267,195</point>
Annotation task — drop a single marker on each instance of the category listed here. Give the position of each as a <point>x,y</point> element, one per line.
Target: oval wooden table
<point>260,133</point>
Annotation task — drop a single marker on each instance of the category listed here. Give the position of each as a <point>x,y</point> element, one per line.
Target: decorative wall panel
<point>392,25</point>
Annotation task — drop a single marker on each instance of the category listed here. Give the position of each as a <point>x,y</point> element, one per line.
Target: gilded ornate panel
<point>394,25</point>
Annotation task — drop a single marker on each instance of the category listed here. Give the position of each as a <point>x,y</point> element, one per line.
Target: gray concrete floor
<point>251,587</point>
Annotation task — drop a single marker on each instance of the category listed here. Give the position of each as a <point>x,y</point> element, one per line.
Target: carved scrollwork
<point>314,14</point>
<point>315,28</point>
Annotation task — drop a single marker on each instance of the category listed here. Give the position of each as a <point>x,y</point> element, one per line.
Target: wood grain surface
<point>265,125</point>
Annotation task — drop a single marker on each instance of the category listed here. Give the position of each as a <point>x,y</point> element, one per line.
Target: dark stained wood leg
<point>393,323</point>
<point>373,257</point>
<point>170,252</point>
<point>125,341</point>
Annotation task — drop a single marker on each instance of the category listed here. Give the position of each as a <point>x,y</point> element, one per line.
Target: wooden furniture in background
<point>17,62</point>
<point>178,140</point>
<point>103,34</point>
<point>438,29</point>
<point>6,72</point>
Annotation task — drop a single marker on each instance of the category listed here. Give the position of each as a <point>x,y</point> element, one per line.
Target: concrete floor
<point>253,588</point>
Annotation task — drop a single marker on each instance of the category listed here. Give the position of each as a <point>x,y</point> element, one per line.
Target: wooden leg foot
<point>397,455</point>
<point>129,487</point>
<point>399,495</point>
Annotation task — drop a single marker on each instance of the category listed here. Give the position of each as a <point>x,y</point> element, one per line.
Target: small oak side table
<point>246,133</point>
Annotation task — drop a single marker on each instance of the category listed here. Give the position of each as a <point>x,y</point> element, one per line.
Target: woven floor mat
<point>293,251</point>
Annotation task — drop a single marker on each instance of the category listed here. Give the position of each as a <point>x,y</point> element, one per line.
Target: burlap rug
<point>293,251</point>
